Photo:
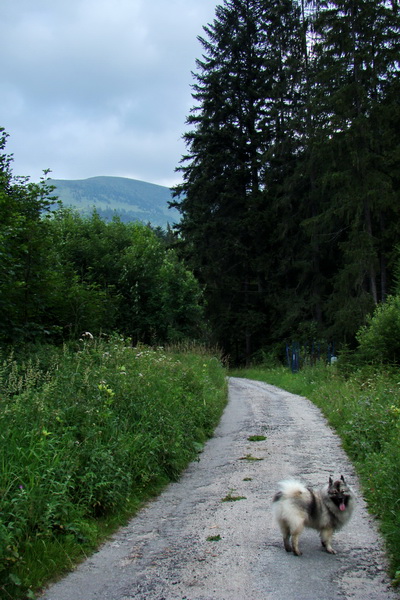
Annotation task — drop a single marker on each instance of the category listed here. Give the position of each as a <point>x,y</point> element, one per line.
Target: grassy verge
<point>86,436</point>
<point>364,409</point>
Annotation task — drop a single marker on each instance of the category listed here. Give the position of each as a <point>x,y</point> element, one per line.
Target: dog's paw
<point>328,547</point>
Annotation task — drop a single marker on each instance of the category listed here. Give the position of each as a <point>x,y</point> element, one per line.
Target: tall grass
<point>86,434</point>
<point>363,406</point>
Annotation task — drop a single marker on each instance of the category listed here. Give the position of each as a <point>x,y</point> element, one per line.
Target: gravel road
<point>167,551</point>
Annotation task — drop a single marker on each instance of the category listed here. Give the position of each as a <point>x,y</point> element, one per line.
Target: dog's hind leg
<point>285,529</point>
<point>286,539</point>
<point>295,540</point>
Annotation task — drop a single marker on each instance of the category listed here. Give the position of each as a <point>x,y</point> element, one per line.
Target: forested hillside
<point>129,199</point>
<point>290,194</point>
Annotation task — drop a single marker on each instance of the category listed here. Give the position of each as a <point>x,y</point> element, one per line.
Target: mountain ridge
<point>130,199</point>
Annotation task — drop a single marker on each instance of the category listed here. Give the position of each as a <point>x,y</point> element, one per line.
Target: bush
<point>379,340</point>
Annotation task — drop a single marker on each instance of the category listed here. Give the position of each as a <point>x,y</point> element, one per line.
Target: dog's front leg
<point>326,540</point>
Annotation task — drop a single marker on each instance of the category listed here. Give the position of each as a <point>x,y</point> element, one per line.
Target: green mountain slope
<point>130,199</point>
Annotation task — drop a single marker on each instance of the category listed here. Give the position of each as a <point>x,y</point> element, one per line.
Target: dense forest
<point>290,194</point>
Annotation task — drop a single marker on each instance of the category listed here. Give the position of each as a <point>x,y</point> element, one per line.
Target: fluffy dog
<point>326,510</point>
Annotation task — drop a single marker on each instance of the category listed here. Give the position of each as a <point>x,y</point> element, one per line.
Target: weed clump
<point>231,498</point>
<point>250,458</point>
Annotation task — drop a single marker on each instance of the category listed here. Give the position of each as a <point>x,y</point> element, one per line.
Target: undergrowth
<point>363,406</point>
<point>86,435</point>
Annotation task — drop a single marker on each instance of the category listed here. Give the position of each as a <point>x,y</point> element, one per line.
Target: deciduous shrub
<point>379,339</point>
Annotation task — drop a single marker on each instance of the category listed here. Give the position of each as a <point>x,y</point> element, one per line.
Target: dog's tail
<point>290,488</point>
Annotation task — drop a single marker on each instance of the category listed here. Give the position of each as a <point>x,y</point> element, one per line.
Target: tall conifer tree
<point>242,104</point>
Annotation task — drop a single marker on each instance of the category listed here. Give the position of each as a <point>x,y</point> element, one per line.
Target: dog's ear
<point>330,481</point>
<point>342,478</point>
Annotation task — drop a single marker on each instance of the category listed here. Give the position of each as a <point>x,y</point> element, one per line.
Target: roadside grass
<point>363,406</point>
<point>87,434</point>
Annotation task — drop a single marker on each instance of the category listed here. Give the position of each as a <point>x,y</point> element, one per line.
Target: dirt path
<point>165,554</point>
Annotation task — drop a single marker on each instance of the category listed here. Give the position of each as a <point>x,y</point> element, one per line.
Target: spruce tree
<point>222,172</point>
<point>243,101</point>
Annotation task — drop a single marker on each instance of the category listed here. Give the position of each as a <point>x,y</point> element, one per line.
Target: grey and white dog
<point>327,509</point>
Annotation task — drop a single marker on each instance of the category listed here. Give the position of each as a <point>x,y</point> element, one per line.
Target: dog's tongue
<point>342,506</point>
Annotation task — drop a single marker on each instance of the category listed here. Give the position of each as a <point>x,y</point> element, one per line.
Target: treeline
<point>62,274</point>
<point>290,195</point>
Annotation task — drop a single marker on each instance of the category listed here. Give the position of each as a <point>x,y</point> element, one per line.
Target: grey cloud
<point>94,87</point>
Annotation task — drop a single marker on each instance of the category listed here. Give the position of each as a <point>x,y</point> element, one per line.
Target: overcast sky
<point>99,87</point>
